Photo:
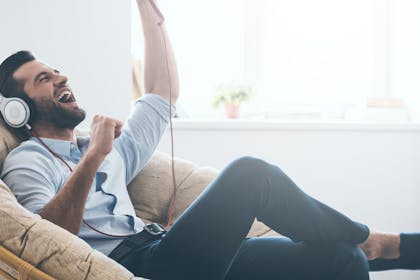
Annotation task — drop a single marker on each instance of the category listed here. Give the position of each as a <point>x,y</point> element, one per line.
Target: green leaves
<point>231,93</point>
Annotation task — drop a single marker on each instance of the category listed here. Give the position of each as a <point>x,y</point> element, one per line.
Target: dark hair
<point>10,87</point>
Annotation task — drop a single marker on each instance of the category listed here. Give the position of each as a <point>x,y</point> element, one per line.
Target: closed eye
<point>41,77</point>
<point>44,79</point>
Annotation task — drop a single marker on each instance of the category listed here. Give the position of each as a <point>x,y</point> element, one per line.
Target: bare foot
<point>381,245</point>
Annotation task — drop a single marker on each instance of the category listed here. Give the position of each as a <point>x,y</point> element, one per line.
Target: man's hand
<point>153,11</point>
<point>103,132</point>
<point>381,245</point>
<point>67,207</point>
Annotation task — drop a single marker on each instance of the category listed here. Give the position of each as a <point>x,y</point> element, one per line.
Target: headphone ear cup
<point>16,112</point>
<point>31,107</point>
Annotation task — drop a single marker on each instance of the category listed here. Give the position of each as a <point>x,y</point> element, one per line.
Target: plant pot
<point>232,110</point>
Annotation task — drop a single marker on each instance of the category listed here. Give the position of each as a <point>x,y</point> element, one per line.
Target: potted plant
<point>231,96</point>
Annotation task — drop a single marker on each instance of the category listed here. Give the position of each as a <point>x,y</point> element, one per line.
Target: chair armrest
<point>50,248</point>
<point>13,267</point>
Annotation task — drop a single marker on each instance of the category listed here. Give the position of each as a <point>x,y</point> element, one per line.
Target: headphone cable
<point>173,199</point>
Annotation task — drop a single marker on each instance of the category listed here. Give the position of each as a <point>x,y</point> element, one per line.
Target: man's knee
<point>243,172</point>
<point>358,257</point>
<point>248,164</point>
<point>351,259</point>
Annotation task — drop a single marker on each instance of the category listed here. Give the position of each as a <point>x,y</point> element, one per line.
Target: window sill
<point>244,124</point>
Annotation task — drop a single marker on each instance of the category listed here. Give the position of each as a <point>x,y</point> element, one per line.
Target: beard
<point>52,113</point>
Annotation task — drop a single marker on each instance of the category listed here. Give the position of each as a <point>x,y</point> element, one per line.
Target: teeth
<point>63,94</point>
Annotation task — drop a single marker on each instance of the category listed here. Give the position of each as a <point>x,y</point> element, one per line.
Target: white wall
<point>88,40</point>
<point>370,172</point>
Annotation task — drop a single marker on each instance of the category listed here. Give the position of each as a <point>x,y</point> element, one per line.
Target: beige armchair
<point>34,248</point>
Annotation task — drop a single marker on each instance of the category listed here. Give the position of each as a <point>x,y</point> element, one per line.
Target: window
<point>303,57</point>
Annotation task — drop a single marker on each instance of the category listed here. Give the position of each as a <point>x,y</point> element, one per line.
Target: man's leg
<point>202,244</point>
<point>276,258</point>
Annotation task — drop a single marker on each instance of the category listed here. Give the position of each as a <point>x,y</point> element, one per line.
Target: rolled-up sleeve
<point>31,179</point>
<point>142,132</point>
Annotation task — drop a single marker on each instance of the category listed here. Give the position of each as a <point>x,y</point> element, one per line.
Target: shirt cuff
<point>158,103</point>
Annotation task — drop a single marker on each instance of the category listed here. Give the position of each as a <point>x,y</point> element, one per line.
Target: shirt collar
<point>61,147</point>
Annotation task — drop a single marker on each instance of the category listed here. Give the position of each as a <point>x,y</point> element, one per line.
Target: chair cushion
<point>8,141</point>
<point>151,191</point>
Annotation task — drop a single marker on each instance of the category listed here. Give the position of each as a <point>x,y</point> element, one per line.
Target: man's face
<point>53,98</point>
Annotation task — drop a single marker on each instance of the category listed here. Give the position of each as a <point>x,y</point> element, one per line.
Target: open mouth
<point>65,97</point>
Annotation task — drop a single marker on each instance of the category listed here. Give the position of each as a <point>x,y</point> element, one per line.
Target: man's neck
<point>54,133</point>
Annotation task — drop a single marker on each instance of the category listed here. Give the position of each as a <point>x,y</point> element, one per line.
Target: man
<point>80,185</point>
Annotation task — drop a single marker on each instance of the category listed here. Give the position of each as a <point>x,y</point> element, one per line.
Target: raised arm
<point>160,69</point>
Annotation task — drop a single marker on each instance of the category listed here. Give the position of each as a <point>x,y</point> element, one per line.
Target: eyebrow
<point>44,73</point>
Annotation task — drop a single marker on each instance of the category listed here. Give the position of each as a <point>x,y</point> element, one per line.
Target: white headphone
<point>15,111</point>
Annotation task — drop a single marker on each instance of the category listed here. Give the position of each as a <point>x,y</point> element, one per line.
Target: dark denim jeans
<point>209,240</point>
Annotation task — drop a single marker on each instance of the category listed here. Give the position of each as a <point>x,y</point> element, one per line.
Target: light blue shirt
<point>35,175</point>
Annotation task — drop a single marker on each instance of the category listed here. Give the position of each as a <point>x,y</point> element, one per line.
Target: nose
<point>61,80</point>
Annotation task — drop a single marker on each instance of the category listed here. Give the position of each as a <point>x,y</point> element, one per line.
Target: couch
<point>34,248</point>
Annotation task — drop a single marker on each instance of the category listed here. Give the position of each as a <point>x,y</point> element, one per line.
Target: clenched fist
<point>103,131</point>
